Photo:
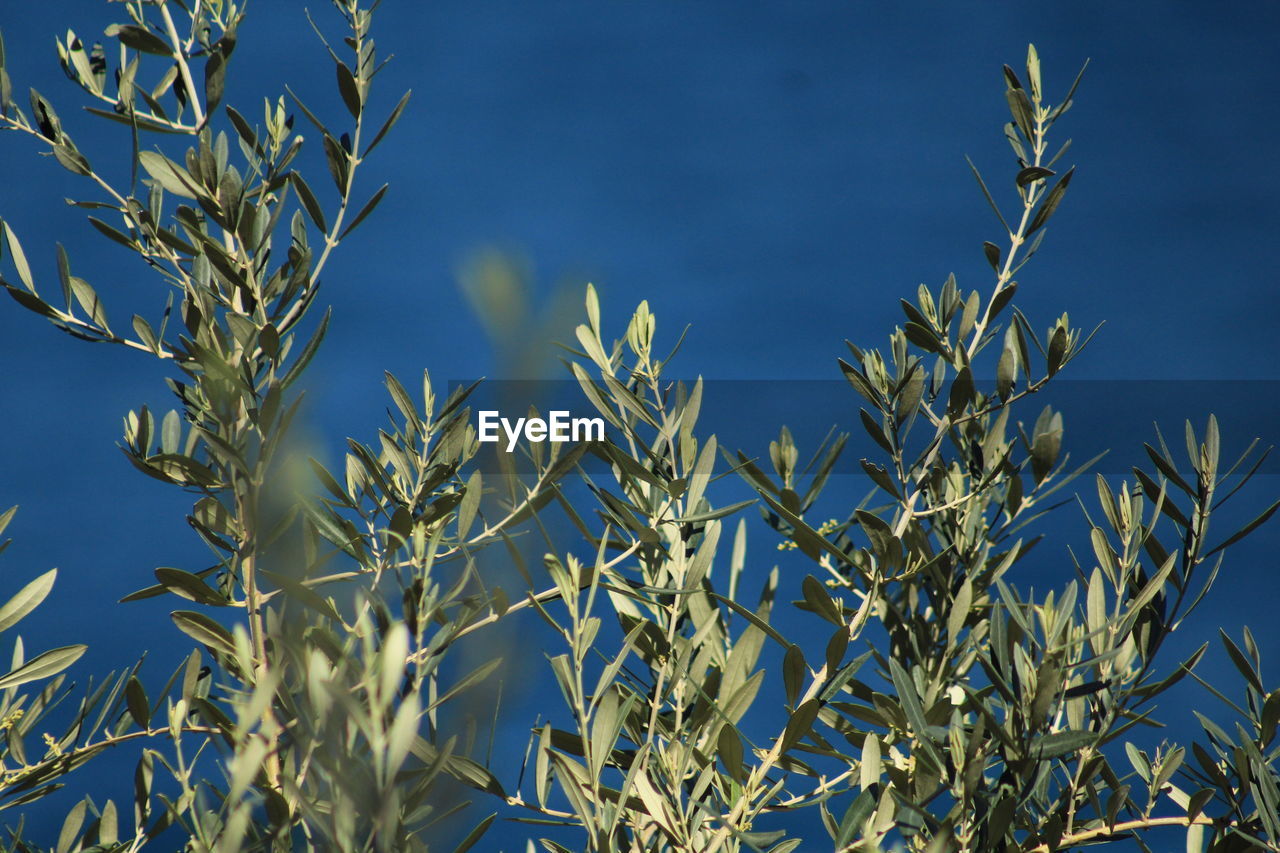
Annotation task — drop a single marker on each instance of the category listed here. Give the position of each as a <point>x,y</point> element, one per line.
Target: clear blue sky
<point>778,175</point>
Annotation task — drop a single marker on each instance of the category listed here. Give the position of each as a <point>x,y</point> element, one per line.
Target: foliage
<point>930,706</point>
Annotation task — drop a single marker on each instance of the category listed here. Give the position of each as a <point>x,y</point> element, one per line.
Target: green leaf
<point>808,540</point>
<point>295,590</point>
<point>883,541</point>
<point>142,122</point>
<point>403,730</point>
<point>112,233</point>
<point>168,174</point>
<point>970,314</point>
<point>962,391</point>
<point>243,129</point>
<point>44,665</point>
<point>654,803</point>
<point>1006,373</point>
<point>907,399</point>
<point>1247,529</point>
<point>1153,586</point>
<point>736,706</point>
<point>922,337</point>
<point>1242,663</point>
<point>999,300</point>
<point>909,698</point>
<point>215,71</point>
<point>1020,109</point>
<point>71,159</point>
<point>190,587</point>
<point>269,340</point>
<point>470,503</point>
<point>1196,804</point>
<point>176,468</point>
<point>860,383</point>
<point>987,194</point>
<point>820,601</point>
<point>1139,761</point>
<point>862,807</point>
<point>89,301</point>
<point>366,210</point>
<point>309,202</point>
<point>348,89</point>
<point>1066,101</point>
<point>1033,71</point>
<point>869,761</point>
<point>1096,605</point>
<point>205,631</point>
<point>390,122</point>
<point>1050,203</point>
<point>880,476</point>
<point>914,314</point>
<point>1058,744</point>
<point>46,118</point>
<point>139,38</point>
<point>108,825</point>
<point>19,257</point>
<point>1057,349</point>
<point>1167,469</point>
<point>755,620</point>
<point>711,514</point>
<point>611,715</point>
<point>26,599</point>
<point>793,672</point>
<point>472,678</point>
<point>1269,717</point>
<point>1032,174</point>
<point>729,748</point>
<point>992,252</point>
<point>71,827</point>
<point>308,352</point>
<point>1212,448</point>
<point>136,700</point>
<point>475,834</point>
<point>874,430</point>
<point>339,162</point>
<point>959,612</point>
<point>1046,444</point>
<point>799,724</point>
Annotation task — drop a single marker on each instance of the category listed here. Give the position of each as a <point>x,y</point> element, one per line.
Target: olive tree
<point>927,704</point>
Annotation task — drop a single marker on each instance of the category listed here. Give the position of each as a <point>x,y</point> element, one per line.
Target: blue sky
<point>776,175</point>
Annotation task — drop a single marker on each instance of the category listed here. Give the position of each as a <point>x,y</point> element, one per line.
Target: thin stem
<point>1074,838</point>
<point>15,775</point>
<point>246,512</point>
<point>333,238</point>
<point>771,758</point>
<point>1017,238</point>
<point>179,55</point>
